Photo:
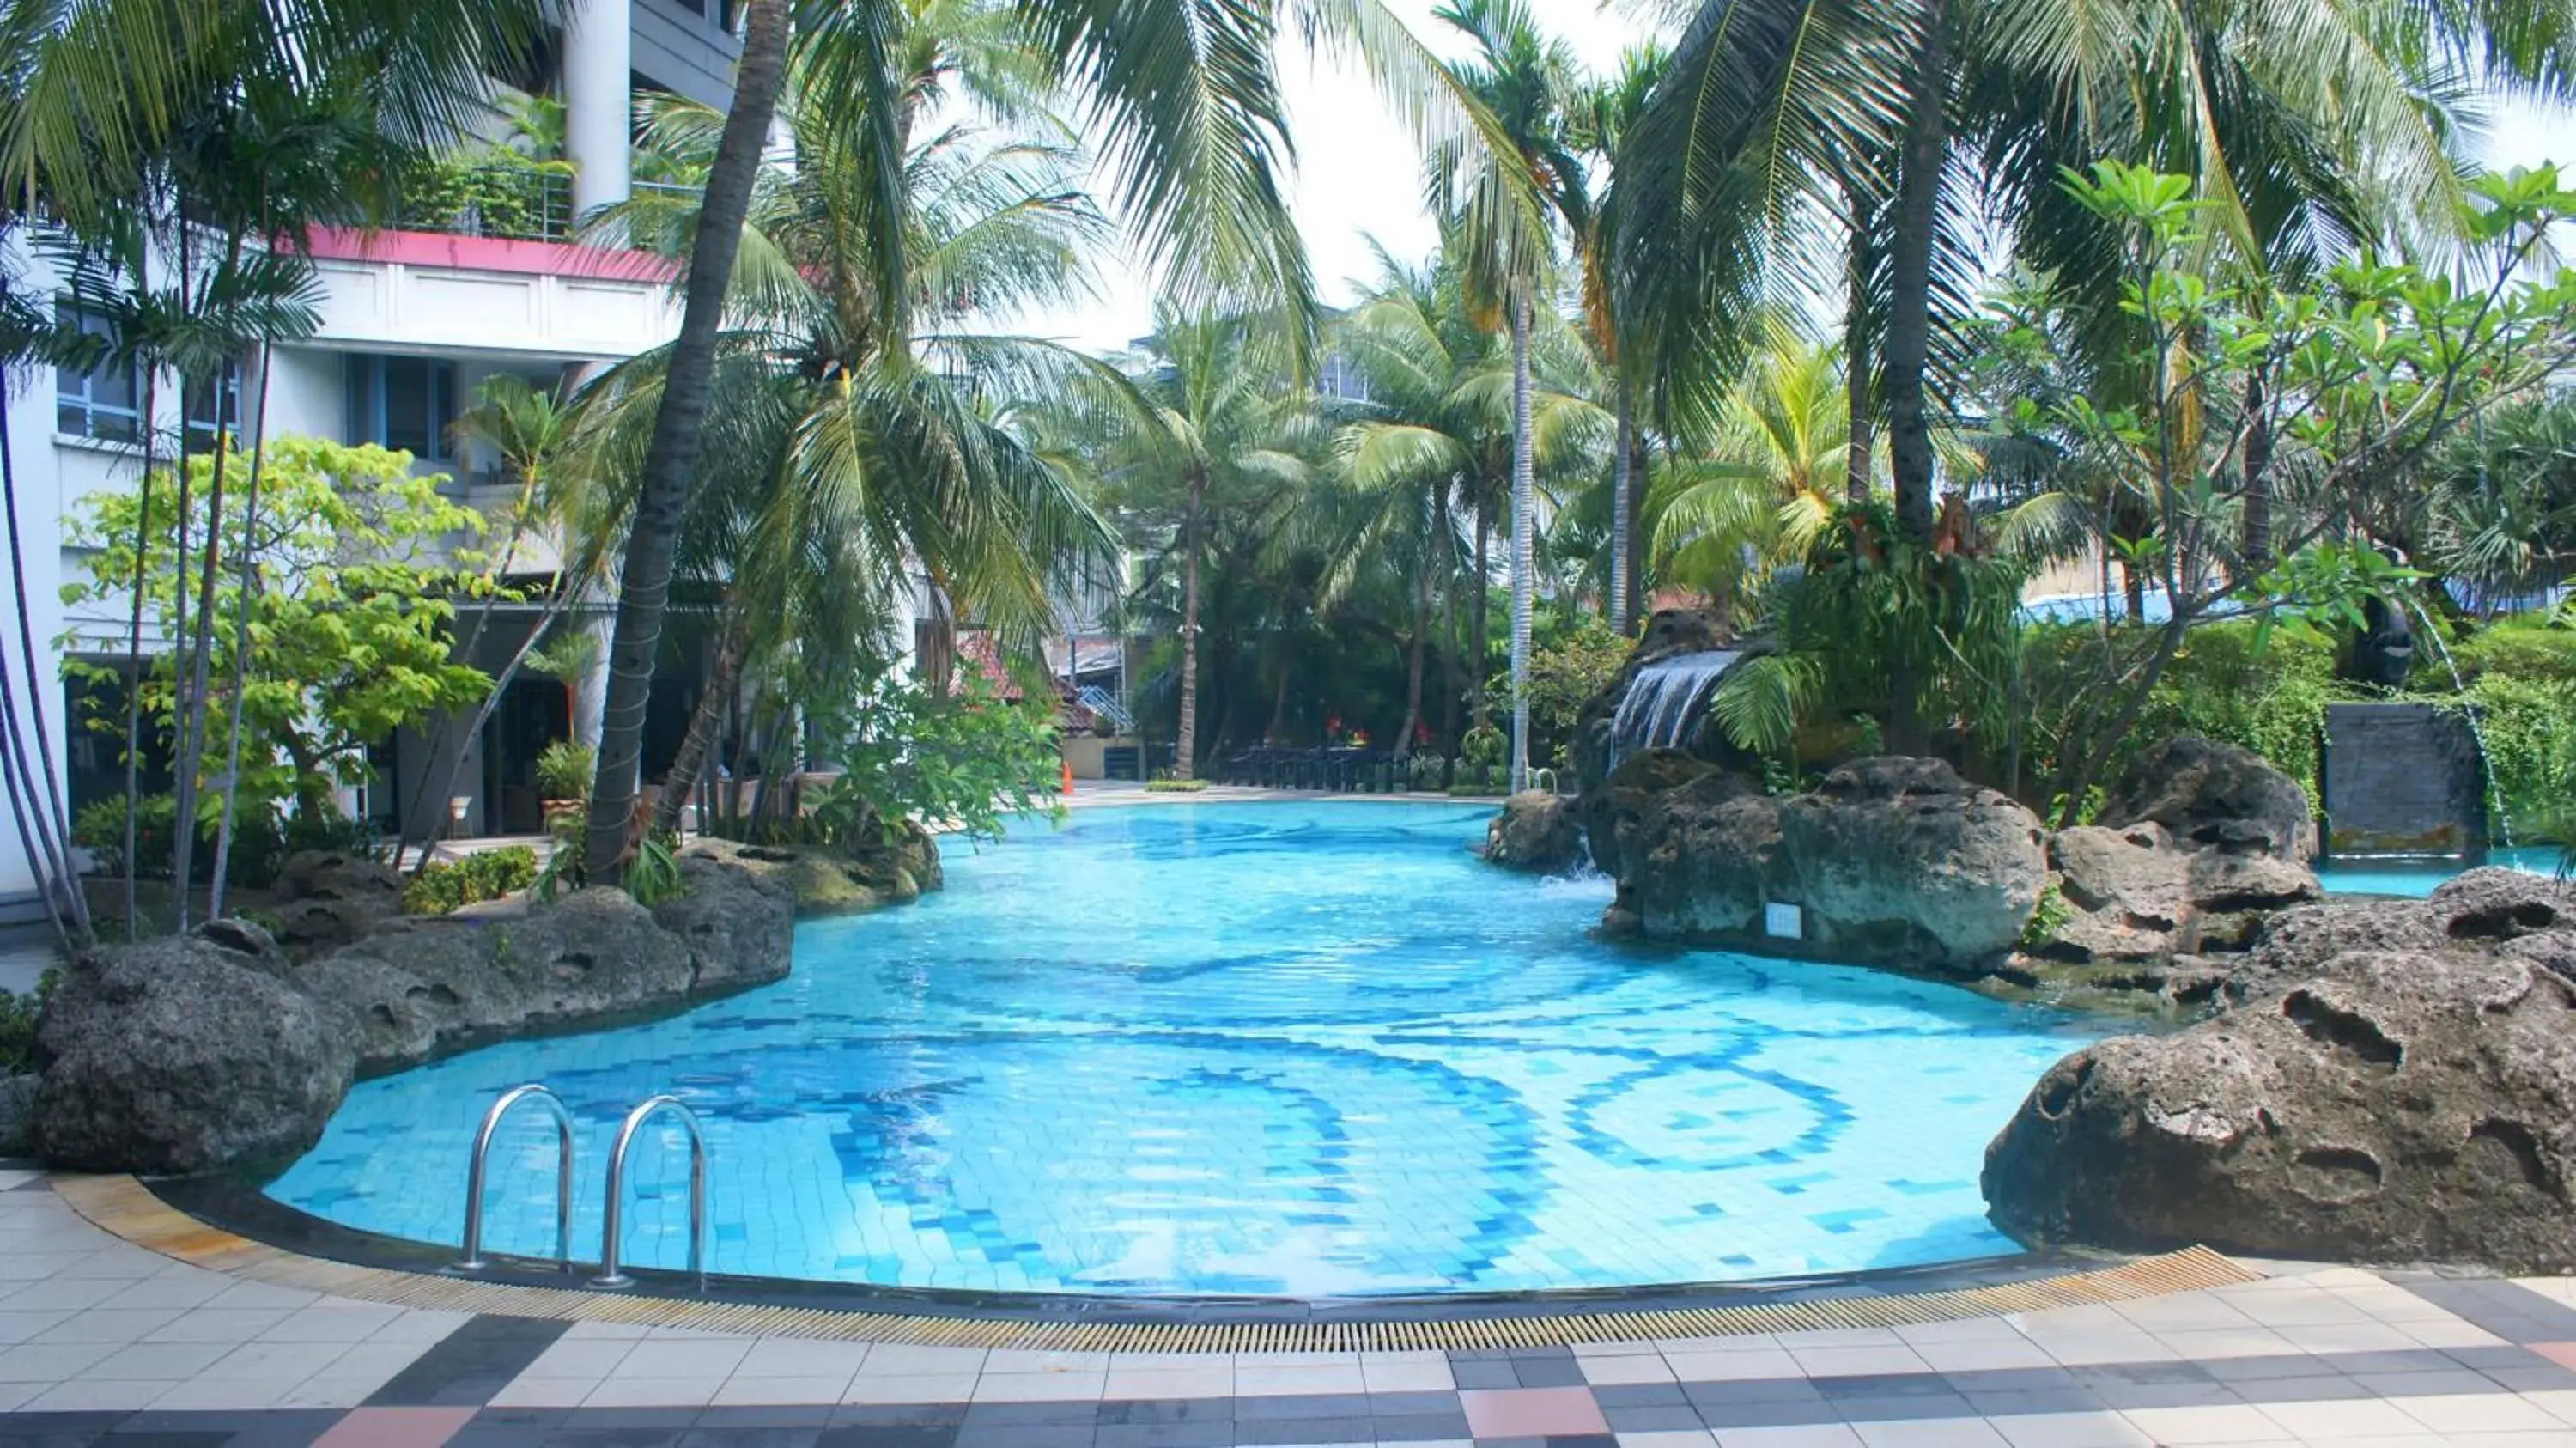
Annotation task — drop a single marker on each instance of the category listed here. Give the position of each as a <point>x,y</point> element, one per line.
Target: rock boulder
<point>2407,1107</point>
<point>1893,862</point>
<point>216,1050</point>
<point>2191,862</point>
<point>185,1055</point>
<point>823,881</point>
<point>739,926</point>
<point>421,987</point>
<point>1538,831</point>
<point>2208,794</point>
<point>2385,1081</point>
<point>327,898</point>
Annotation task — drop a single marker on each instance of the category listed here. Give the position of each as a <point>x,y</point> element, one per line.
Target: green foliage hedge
<point>484,875</point>
<point>260,839</point>
<point>2520,677</point>
<point>18,1025</point>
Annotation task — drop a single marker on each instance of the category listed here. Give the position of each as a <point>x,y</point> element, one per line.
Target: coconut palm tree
<point>1760,496</point>
<point>1608,111</point>
<point>1530,85</point>
<point>2305,121</point>
<point>857,404</point>
<point>1423,453</point>
<point>1185,98</point>
<point>1218,429</point>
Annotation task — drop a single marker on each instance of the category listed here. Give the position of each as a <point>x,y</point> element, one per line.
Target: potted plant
<point>563,777</point>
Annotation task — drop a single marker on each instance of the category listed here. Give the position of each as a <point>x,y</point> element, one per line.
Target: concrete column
<point>599,101</point>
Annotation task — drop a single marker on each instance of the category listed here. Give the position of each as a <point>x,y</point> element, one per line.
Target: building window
<point>214,405</point>
<point>104,401</point>
<point>406,403</point>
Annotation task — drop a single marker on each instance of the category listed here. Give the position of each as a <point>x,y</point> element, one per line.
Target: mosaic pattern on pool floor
<point>1307,1049</point>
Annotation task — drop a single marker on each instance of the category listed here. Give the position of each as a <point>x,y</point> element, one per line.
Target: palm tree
<point>1781,114</point>
<point>1218,428</point>
<point>1529,84</point>
<point>1186,100</point>
<point>855,403</point>
<point>1423,452</point>
<point>530,432</point>
<point>1768,487</point>
<point>1609,110</point>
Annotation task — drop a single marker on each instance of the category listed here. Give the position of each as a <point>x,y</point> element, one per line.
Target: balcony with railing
<point>531,202</point>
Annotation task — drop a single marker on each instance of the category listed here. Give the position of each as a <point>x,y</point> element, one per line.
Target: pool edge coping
<point>135,1212</point>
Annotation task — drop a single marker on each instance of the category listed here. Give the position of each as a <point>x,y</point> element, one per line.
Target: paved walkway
<point>104,1343</point>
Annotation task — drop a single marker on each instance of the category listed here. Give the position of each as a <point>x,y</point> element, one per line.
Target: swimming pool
<point>1300,1049</point>
<point>2419,876</point>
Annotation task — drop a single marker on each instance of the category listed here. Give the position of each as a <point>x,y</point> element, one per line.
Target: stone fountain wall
<point>2402,779</point>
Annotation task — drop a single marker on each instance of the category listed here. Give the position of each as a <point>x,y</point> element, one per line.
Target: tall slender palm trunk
<point>1185,752</point>
<point>1909,330</point>
<point>1482,584</point>
<point>134,642</point>
<point>1524,521</point>
<point>1415,649</point>
<point>195,662</point>
<point>37,805</point>
<point>1859,346</point>
<point>699,744</point>
<point>1623,618</point>
<point>246,565</point>
<point>670,459</point>
<point>1451,648</point>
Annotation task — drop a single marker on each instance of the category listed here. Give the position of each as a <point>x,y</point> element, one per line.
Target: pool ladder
<point>610,1275</point>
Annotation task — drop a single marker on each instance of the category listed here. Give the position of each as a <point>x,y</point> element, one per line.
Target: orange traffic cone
<point>1065,780</point>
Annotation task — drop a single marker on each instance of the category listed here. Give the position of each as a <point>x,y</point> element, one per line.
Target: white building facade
<point>412,322</point>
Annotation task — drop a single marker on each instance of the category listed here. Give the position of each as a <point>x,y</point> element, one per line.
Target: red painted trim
<point>490,253</point>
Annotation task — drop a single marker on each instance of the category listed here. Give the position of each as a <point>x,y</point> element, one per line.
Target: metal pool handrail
<point>474,1174</point>
<point>609,1276</point>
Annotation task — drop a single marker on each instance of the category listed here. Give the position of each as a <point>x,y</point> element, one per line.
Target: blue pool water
<point>2419,876</point>
<point>1306,1049</point>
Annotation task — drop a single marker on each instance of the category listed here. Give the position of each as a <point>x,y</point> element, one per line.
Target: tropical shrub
<point>18,1015</point>
<point>1565,673</point>
<point>908,751</point>
<point>2535,648</point>
<point>261,841</point>
<point>565,770</point>
<point>446,886</point>
<point>2529,729</point>
<point>1167,784</point>
<point>359,567</point>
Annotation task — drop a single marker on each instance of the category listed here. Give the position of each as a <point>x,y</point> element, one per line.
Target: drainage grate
<point>123,1206</point>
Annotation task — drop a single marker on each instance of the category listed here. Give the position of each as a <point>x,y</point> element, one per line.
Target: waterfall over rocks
<point>1667,699</point>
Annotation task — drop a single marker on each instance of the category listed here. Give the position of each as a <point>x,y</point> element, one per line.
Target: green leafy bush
<point>446,886</point>
<point>18,1015</point>
<point>1166,784</point>
<point>2047,917</point>
<point>261,841</point>
<point>2529,729</point>
<point>565,770</point>
<point>2533,649</point>
<point>2268,695</point>
<point>911,752</point>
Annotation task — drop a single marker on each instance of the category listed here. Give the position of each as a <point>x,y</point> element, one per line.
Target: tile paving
<point>107,1345</point>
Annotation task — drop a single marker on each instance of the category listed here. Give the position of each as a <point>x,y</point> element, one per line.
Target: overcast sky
<point>1359,174</point>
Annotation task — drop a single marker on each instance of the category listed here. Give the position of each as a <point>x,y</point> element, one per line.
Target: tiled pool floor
<point>1285,1048</point>
<point>103,1343</point>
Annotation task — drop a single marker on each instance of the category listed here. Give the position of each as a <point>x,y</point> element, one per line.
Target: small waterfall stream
<point>1666,701</point>
<point>2495,794</point>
